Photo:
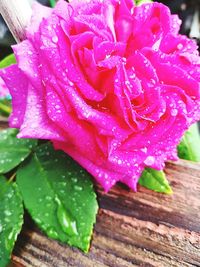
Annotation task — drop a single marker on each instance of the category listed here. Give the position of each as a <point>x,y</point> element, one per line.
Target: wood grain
<point>132,229</point>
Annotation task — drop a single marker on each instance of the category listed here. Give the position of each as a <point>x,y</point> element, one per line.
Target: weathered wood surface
<point>132,229</point>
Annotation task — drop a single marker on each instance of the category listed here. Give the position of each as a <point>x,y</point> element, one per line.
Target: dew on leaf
<point>78,188</point>
<point>67,223</point>
<point>52,232</point>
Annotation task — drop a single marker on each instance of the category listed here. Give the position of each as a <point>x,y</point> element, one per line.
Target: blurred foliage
<point>5,107</point>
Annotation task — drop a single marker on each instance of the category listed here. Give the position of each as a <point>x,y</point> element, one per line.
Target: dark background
<point>186,9</point>
<point>6,39</point>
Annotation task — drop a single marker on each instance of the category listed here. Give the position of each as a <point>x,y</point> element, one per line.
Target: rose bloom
<point>112,84</point>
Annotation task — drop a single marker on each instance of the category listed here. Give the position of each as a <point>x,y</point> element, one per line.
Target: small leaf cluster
<point>155,180</point>
<point>56,191</point>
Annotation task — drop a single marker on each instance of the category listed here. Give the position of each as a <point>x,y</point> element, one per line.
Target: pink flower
<point>3,90</point>
<point>113,85</point>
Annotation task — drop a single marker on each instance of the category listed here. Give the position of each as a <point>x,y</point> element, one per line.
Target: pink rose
<point>113,85</point>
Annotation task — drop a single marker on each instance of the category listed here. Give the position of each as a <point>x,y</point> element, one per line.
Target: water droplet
<point>38,221</point>
<point>55,39</point>
<point>40,200</point>
<point>74,180</point>
<point>174,112</point>
<point>119,161</point>
<point>52,233</point>
<point>108,56</point>
<point>153,81</point>
<point>78,188</point>
<point>144,149</point>
<point>6,219</point>
<point>86,239</point>
<point>71,83</point>
<point>179,46</point>
<point>149,161</point>
<point>7,213</point>
<point>65,219</point>
<point>132,10</point>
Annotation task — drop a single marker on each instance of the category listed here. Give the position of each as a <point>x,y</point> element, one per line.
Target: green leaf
<point>52,3</point>
<point>189,148</point>
<point>5,107</point>
<point>155,180</point>
<point>5,104</point>
<point>11,218</point>
<point>140,2</point>
<point>7,61</point>
<point>13,150</point>
<point>59,195</point>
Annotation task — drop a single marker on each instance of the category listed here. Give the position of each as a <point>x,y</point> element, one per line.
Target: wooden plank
<point>132,229</point>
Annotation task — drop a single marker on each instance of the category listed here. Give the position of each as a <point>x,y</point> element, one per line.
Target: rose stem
<point>17,14</point>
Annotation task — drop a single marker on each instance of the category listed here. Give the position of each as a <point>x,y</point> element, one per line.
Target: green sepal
<point>155,180</point>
